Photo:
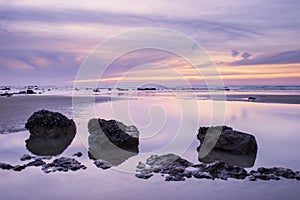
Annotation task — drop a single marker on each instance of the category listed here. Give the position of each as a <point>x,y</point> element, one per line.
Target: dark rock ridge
<point>48,124</point>
<point>61,164</point>
<point>147,88</point>
<point>174,168</point>
<point>231,141</point>
<point>102,164</point>
<point>112,141</point>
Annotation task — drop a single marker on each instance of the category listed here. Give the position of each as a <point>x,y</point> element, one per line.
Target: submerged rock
<point>274,173</point>
<point>19,167</point>
<point>26,157</point>
<point>78,154</point>
<point>63,164</point>
<point>6,166</point>
<point>102,164</point>
<point>48,124</point>
<point>228,140</point>
<point>112,141</point>
<point>178,169</point>
<point>36,163</point>
<point>30,92</point>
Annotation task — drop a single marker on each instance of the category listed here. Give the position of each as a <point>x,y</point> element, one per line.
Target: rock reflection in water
<point>42,146</point>
<point>246,161</point>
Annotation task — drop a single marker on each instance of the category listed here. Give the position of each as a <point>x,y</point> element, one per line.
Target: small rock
<point>78,154</point>
<point>38,162</point>
<point>251,98</point>
<point>5,166</point>
<point>19,167</point>
<point>26,157</point>
<point>63,164</point>
<point>102,164</point>
<point>30,92</point>
<point>200,174</point>
<point>174,178</point>
<point>143,175</point>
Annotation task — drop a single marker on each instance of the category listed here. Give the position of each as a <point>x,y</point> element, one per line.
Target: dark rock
<point>47,124</point>
<point>96,90</point>
<point>125,137</point>
<point>102,164</point>
<point>297,175</point>
<point>63,164</point>
<point>78,154</point>
<point>5,88</point>
<point>169,164</point>
<point>143,175</point>
<point>26,157</point>
<point>201,175</point>
<point>251,98</point>
<point>224,171</point>
<point>7,94</point>
<point>6,166</point>
<point>177,169</point>
<point>228,140</point>
<point>174,178</point>
<point>273,173</point>
<point>112,141</point>
<point>38,162</point>
<point>148,88</point>
<point>30,92</point>
<point>49,146</point>
<point>22,92</point>
<point>19,167</point>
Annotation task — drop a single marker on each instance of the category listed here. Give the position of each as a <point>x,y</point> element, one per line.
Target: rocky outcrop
<point>62,164</point>
<point>228,140</point>
<point>112,141</point>
<point>48,124</point>
<point>125,137</point>
<point>175,168</point>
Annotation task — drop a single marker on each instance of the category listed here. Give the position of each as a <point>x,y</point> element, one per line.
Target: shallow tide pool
<point>166,125</point>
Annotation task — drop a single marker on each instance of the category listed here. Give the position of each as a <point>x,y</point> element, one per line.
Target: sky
<point>249,42</point>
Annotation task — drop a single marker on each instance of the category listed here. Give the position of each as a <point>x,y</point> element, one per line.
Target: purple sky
<point>251,42</point>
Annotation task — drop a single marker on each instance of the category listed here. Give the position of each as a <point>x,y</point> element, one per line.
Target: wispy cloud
<point>287,57</point>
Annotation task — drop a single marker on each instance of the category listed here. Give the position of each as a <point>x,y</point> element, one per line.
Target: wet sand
<point>284,99</point>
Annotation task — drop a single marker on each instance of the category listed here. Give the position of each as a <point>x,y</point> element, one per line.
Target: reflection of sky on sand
<point>275,126</point>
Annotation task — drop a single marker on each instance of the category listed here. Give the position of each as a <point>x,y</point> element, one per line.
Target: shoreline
<point>269,98</point>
